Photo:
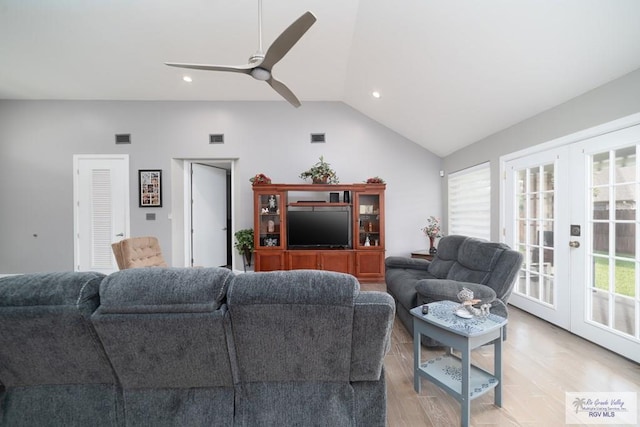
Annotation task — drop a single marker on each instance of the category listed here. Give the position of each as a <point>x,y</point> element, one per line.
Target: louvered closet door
<point>101,210</point>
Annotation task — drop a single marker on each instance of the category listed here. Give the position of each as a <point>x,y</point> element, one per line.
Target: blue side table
<point>456,375</point>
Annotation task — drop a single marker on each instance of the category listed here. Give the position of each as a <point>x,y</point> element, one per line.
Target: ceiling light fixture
<point>187,79</point>
<point>375,94</point>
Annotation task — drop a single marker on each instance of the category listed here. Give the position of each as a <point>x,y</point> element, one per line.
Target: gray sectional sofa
<point>192,347</point>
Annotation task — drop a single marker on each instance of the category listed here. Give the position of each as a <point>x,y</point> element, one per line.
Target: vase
<point>432,246</point>
<point>247,254</point>
<point>320,180</point>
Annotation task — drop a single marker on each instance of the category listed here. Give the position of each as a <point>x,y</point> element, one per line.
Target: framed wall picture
<point>150,188</point>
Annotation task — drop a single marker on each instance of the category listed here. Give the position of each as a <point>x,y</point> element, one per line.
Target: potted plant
<point>244,243</point>
<point>375,180</point>
<point>321,173</point>
<point>260,179</point>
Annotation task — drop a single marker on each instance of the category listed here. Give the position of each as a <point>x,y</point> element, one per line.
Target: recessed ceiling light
<point>187,79</point>
<point>375,94</point>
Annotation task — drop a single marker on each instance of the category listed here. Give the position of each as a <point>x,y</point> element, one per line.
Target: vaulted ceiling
<point>449,72</point>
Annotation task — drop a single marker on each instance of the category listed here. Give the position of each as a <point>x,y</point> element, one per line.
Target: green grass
<point>625,276</point>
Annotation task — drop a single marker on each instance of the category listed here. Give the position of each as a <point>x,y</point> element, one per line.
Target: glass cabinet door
<point>270,221</point>
<point>368,213</point>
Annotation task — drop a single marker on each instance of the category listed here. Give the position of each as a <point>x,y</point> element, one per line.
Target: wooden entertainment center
<point>363,255</point>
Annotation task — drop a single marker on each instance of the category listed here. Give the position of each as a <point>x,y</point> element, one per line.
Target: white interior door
<point>605,267</point>
<point>536,225</point>
<point>101,209</point>
<point>208,215</point>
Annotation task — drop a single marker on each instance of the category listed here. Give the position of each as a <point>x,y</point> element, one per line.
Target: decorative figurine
<point>466,297</point>
<point>272,204</point>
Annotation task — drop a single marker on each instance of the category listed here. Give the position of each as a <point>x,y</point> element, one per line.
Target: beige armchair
<point>138,252</point>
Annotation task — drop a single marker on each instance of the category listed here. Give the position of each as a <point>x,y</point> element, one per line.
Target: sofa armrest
<point>403,262</point>
<point>373,317</point>
<point>430,290</point>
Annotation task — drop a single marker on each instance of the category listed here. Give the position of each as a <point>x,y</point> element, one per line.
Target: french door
<point>572,212</point>
<point>606,274</point>
<point>536,186</point>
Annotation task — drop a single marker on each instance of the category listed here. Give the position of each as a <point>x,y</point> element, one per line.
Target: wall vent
<point>216,138</point>
<point>318,138</point>
<point>123,138</point>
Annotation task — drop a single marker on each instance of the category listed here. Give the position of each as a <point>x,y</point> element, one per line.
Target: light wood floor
<point>540,363</point>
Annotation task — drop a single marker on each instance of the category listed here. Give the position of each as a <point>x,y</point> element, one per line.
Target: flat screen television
<point>318,229</point>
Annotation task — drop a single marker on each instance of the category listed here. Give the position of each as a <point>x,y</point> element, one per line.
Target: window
<point>470,202</point>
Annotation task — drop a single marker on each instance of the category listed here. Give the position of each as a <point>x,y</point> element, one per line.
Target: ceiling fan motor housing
<point>260,74</point>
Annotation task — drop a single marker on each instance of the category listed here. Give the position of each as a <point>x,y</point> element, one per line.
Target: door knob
<point>574,244</point>
<point>120,235</point>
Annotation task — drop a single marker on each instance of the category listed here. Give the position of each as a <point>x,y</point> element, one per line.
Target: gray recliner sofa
<point>176,347</point>
<point>488,269</point>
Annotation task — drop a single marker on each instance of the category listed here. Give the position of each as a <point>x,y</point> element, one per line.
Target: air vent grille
<point>216,138</point>
<point>123,138</point>
<point>317,138</point>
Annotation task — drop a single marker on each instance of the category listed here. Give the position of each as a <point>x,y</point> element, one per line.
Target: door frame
<point>76,219</point>
<point>186,205</point>
<point>565,141</point>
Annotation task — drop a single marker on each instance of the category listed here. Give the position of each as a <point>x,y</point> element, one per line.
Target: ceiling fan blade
<point>287,39</point>
<point>245,69</point>
<point>284,91</point>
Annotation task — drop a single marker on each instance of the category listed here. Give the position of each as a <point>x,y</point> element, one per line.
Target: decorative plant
<point>432,229</point>
<point>244,243</point>
<point>375,180</point>
<point>260,179</point>
<point>321,173</point>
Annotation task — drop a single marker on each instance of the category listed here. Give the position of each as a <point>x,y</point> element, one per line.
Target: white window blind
<point>470,202</point>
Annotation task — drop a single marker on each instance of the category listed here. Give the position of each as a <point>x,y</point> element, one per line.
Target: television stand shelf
<point>358,230</point>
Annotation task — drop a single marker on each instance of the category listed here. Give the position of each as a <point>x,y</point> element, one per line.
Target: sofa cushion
<point>165,327</point>
<point>446,256</point>
<point>44,315</point>
<point>476,260</point>
<point>300,322</point>
<point>430,290</point>
<point>164,290</point>
<point>53,367</point>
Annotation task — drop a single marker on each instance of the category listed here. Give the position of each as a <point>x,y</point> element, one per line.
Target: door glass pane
<point>625,278</point>
<point>600,307</point>
<point>600,202</point>
<point>548,180</point>
<point>625,165</point>
<point>601,273</point>
<point>536,195</point>
<point>600,168</point>
<point>625,240</point>
<point>534,179</point>
<point>624,309</point>
<point>625,196</point>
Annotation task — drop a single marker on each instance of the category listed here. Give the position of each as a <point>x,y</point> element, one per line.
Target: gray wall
<point>39,138</point>
<point>609,102</point>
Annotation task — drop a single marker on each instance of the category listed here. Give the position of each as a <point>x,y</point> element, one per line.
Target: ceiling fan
<point>260,63</point>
